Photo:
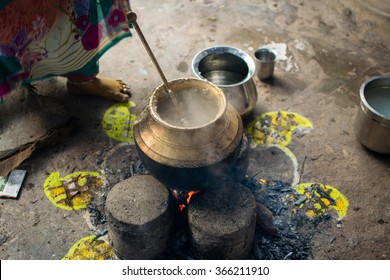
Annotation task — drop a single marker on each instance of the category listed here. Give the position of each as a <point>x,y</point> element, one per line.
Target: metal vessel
<point>372,126</point>
<point>232,70</point>
<point>186,157</point>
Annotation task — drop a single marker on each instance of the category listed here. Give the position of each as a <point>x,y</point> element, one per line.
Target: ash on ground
<point>294,229</point>
<point>122,162</point>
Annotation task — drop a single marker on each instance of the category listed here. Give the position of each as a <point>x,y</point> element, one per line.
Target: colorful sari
<point>45,38</point>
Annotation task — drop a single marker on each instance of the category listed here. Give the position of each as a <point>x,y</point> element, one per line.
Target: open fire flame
<point>184,197</point>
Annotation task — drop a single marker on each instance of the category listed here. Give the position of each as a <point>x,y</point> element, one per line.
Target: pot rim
<point>373,82</point>
<point>224,49</point>
<point>156,116</point>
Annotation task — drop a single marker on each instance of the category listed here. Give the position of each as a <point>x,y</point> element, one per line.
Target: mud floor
<point>327,49</point>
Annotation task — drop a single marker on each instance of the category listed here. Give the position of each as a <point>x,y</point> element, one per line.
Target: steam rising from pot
<point>197,105</point>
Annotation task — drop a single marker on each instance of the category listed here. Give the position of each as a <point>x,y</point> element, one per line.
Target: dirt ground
<point>332,47</point>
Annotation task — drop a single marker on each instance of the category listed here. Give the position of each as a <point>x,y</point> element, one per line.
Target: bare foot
<point>105,87</point>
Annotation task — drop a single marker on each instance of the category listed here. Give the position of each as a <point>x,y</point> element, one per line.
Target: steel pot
<point>232,70</point>
<point>372,125</point>
<point>187,156</point>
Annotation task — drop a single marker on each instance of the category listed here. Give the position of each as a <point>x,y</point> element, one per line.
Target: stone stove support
<point>140,216</point>
<point>222,221</point>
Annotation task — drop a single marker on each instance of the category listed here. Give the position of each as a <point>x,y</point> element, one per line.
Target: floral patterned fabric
<point>43,38</point>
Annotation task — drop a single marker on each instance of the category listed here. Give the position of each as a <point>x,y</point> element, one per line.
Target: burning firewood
<point>265,219</point>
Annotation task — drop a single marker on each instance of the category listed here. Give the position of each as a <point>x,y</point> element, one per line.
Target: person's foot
<point>105,87</point>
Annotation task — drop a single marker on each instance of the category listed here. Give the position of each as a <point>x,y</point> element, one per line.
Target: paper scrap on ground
<point>10,186</point>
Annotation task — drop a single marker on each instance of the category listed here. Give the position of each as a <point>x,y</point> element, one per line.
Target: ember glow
<point>189,195</point>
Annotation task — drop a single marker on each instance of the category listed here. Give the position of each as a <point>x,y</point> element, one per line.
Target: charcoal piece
<point>222,221</point>
<point>140,214</point>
